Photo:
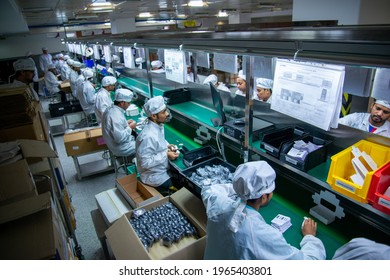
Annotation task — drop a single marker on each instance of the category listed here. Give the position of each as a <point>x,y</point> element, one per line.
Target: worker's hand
<point>172,155</point>
<point>309,227</point>
<point>132,124</point>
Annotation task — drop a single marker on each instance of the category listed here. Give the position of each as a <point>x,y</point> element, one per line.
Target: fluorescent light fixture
<point>223,14</point>
<point>195,3</point>
<point>145,15</point>
<point>100,3</point>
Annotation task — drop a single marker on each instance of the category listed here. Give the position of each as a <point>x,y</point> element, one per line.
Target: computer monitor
<point>218,105</point>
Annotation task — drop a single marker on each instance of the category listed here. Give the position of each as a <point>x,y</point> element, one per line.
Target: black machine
<point>236,128</point>
<point>218,105</point>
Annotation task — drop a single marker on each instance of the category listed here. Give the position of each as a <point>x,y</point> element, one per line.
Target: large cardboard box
<point>126,245</point>
<point>84,141</point>
<point>30,229</point>
<point>136,193</point>
<point>16,181</point>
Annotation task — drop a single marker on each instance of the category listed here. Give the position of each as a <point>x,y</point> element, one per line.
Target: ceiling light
<point>144,15</point>
<point>223,14</point>
<point>195,3</point>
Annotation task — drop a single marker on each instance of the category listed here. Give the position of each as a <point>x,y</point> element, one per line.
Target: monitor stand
<point>216,122</point>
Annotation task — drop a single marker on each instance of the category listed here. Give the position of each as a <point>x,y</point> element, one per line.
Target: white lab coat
<point>102,102</point>
<point>35,78</point>
<point>223,87</point>
<point>44,61</point>
<point>87,97</point>
<point>239,92</point>
<point>255,239</point>
<point>18,83</point>
<point>65,71</point>
<point>361,121</point>
<point>59,66</point>
<point>72,81</point>
<point>52,82</point>
<point>116,132</point>
<point>79,85</point>
<point>362,249</point>
<point>152,158</point>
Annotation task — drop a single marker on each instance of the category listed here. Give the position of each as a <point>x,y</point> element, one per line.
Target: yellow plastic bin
<point>341,169</point>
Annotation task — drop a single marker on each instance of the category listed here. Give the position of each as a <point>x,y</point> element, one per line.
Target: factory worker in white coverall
<point>237,231</point>
<point>362,249</point>
<point>153,152</point>
<point>214,80</point>
<point>377,121</point>
<point>117,131</point>
<point>103,97</point>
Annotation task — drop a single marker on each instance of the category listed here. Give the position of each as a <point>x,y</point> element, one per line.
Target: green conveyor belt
<point>141,85</point>
<point>196,111</point>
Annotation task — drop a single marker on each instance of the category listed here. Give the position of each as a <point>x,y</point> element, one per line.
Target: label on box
<point>345,186</point>
<point>384,202</point>
<point>75,148</point>
<point>290,160</point>
<point>268,148</point>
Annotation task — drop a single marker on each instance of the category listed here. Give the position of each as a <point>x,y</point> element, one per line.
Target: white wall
<point>374,12</point>
<point>17,46</point>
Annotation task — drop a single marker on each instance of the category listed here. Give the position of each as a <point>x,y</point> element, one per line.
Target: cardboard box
<point>112,205</point>
<point>135,192</point>
<point>30,230</point>
<point>16,180</point>
<point>126,244</point>
<point>84,141</point>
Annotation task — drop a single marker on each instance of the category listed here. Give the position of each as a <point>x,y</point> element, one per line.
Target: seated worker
<point>156,65</point>
<point>86,95</point>
<point>362,249</point>
<point>263,90</point>
<point>241,83</point>
<point>377,121</point>
<point>24,75</point>
<point>103,97</point>
<point>115,128</point>
<point>74,75</point>
<point>190,75</point>
<point>152,150</point>
<point>52,83</point>
<point>237,231</point>
<point>214,80</point>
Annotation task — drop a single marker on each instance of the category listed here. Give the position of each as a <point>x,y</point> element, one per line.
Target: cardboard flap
<point>24,207</point>
<point>121,238</point>
<point>36,148</point>
<point>192,205</point>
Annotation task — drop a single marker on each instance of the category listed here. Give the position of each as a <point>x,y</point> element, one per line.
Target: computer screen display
<point>218,105</point>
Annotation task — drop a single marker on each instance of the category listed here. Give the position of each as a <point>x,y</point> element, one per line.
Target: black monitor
<point>218,105</point>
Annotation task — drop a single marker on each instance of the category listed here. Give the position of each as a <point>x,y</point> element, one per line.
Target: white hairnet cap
<point>70,62</point>
<point>123,94</point>
<point>115,57</point>
<point>362,249</point>
<point>88,73</point>
<point>253,179</point>
<point>77,64</point>
<point>156,64</point>
<point>60,55</point>
<point>44,49</point>
<point>66,57</point>
<point>264,83</point>
<point>51,66</point>
<point>139,60</point>
<point>154,105</point>
<point>241,75</point>
<point>211,78</point>
<point>108,80</point>
<point>383,103</point>
<point>24,64</point>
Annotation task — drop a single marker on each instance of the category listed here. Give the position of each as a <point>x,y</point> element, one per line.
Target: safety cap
<point>211,78</point>
<point>264,83</point>
<point>24,64</point>
<point>156,64</point>
<point>123,94</point>
<point>108,81</point>
<point>383,103</point>
<point>154,105</point>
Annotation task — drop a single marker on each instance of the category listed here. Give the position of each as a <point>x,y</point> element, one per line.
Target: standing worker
<point>117,131</point>
<point>103,97</point>
<point>377,121</point>
<point>36,77</point>
<point>237,231</point>
<point>24,74</point>
<point>214,80</point>
<point>152,150</point>
<point>45,59</point>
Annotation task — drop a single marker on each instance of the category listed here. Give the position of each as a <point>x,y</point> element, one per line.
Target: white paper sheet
<point>310,92</point>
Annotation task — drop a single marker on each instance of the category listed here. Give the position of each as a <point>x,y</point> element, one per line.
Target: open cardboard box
<point>84,141</point>
<point>31,229</point>
<point>136,193</point>
<point>126,244</point>
<point>16,180</point>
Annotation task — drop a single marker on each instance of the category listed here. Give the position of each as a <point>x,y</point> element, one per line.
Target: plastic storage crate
<point>273,140</point>
<point>341,169</point>
<point>379,183</point>
<point>196,156</point>
<point>312,159</point>
<point>186,174</point>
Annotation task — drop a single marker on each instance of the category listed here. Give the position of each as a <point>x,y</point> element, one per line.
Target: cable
<point>220,146</point>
